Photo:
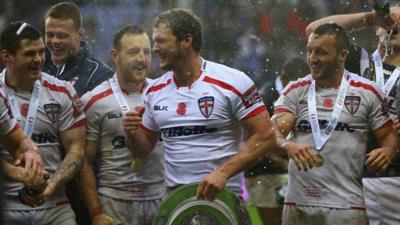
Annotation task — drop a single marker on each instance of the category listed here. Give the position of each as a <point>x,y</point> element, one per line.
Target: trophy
<point>27,195</point>
<point>181,207</point>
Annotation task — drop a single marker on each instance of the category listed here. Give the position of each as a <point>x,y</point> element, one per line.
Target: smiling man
<point>200,108</point>
<point>130,189</point>
<point>382,192</point>
<point>51,112</point>
<point>325,108</point>
<point>67,56</point>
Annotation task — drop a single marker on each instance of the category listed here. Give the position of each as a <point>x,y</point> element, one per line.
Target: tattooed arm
<point>73,141</point>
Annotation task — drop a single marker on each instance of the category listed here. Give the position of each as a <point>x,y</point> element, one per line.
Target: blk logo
<point>160,108</point>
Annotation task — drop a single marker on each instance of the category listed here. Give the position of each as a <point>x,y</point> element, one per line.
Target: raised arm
<point>74,145</point>
<point>357,21</point>
<point>261,139</point>
<point>140,141</point>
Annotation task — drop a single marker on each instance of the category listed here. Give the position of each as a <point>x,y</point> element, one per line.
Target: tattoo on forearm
<point>68,168</point>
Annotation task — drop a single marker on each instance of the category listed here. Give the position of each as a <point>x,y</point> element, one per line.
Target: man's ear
<point>81,33</point>
<point>6,56</point>
<point>187,41</point>
<point>343,55</point>
<point>114,54</point>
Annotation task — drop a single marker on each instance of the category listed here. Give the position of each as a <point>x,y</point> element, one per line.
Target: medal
<point>319,160</point>
<point>137,165</point>
<point>320,138</point>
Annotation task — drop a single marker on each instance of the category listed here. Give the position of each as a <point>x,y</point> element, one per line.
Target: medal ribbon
<point>380,80</point>
<point>33,106</point>
<point>118,94</point>
<point>321,139</point>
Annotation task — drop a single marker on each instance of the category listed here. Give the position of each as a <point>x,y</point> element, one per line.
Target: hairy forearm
<point>68,168</point>
<point>139,144</point>
<point>13,141</point>
<point>87,187</point>
<point>11,171</point>
<point>255,148</point>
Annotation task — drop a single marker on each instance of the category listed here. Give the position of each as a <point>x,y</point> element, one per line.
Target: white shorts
<point>263,189</point>
<point>59,215</point>
<point>310,215</point>
<point>130,212</point>
<point>382,200</point>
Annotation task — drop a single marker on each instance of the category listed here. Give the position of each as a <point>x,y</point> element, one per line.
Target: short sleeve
<point>148,117</point>
<point>7,120</point>
<point>246,100</point>
<point>72,110</point>
<point>287,101</point>
<point>379,115</point>
<point>93,117</point>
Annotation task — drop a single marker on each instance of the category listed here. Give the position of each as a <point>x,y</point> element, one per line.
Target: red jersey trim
<point>255,112</point>
<point>62,202</point>
<point>366,87</point>
<point>191,84</point>
<point>282,110</point>
<point>158,87</point>
<point>297,85</point>
<point>358,208</point>
<point>96,98</point>
<point>290,203</point>
<point>81,122</point>
<point>222,85</point>
<point>14,128</point>
<point>386,124</point>
<point>56,88</point>
<point>351,207</point>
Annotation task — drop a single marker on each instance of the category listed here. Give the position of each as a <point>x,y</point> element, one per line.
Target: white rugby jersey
<point>7,120</point>
<point>337,183</point>
<point>59,109</point>
<point>116,178</point>
<point>200,124</point>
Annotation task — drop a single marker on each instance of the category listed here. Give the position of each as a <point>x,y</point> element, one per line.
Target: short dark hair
<point>129,29</point>
<point>182,23</point>
<point>14,33</point>
<point>65,11</point>
<point>342,37</point>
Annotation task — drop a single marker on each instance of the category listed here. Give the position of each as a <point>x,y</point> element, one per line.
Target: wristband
<point>96,211</point>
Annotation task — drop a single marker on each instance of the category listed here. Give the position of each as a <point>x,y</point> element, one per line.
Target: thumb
<point>140,110</point>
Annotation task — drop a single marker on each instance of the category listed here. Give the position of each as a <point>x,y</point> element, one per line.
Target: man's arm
<point>19,174</point>
<point>301,154</point>
<point>261,139</point>
<point>140,141</point>
<point>88,189</point>
<point>73,142</point>
<point>357,21</point>
<point>25,152</point>
<point>378,160</point>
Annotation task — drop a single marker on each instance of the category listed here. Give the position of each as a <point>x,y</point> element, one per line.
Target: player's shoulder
<point>99,92</point>
<point>226,77</point>
<point>159,84</point>
<point>298,85</point>
<point>55,85</point>
<point>365,85</point>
